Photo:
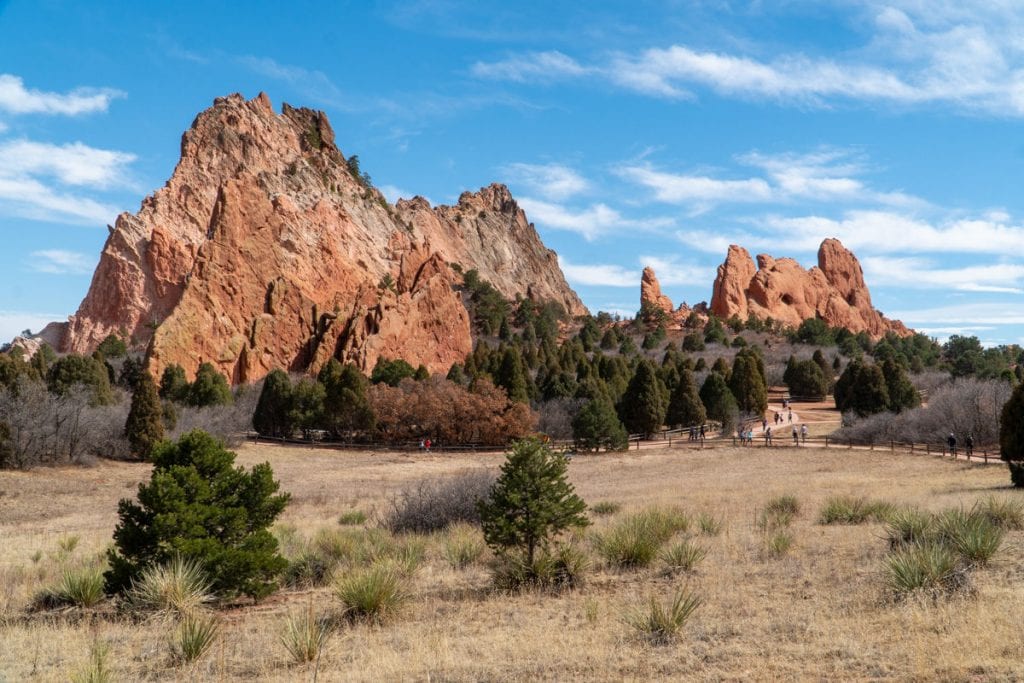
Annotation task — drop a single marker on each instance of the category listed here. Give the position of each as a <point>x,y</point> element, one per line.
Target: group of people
<point>697,433</point>
<point>425,445</point>
<point>799,435</point>
<point>968,444</point>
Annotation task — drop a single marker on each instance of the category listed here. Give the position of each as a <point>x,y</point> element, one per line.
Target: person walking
<point>969,445</point>
<point>952,444</point>
<point>702,433</point>
<point>791,415</point>
<point>768,437</point>
<point>426,444</point>
<point>796,436</point>
<point>803,432</point>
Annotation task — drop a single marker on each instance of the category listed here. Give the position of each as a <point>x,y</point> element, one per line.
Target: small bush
<point>660,624</point>
<point>180,586</point>
<point>335,545</point>
<point>850,510</point>
<point>433,505</point>
<point>605,507</point>
<point>81,587</point>
<point>908,526</point>
<point>373,594</point>
<point>352,518</point>
<point>927,567</point>
<point>1003,513</point>
<point>972,536</point>
<point>194,637</point>
<point>304,635</point>
<point>708,524</point>
<point>783,505</point>
<point>463,545</point>
<point>779,542</point>
<point>563,569</point>
<point>635,540</point>
<point>96,670</point>
<point>309,570</point>
<point>683,557</point>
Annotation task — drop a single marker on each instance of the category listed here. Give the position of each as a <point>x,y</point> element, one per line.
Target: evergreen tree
<point>145,426</point>
<point>132,370</point>
<point>787,376</point>
<point>273,414</point>
<point>643,405</point>
<point>826,370</point>
<point>511,376</point>
<point>685,408</point>
<point>198,506</point>
<point>531,503</point>
<point>391,372</point>
<point>902,394</point>
<point>307,404</point>
<point>806,380</point>
<point>747,384</point>
<point>721,367</point>
<point>421,373</point>
<point>596,425</point>
<point>73,370</point>
<point>210,388</point>
<point>346,407</point>
<point>1011,436</point>
<point>861,389</point>
<point>718,400</point>
<point>173,384</point>
<point>113,347</point>
<point>457,375</point>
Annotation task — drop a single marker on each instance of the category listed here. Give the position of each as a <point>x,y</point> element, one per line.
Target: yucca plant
<point>659,623</point>
<point>787,504</point>
<point>194,637</point>
<point>304,635</point>
<point>180,587</point>
<point>845,510</point>
<point>635,541</point>
<point>917,567</point>
<point>77,587</point>
<point>373,594</point>
<point>310,569</point>
<point>463,545</point>
<point>908,526</point>
<point>1002,512</point>
<point>352,518</point>
<point>970,534</point>
<point>778,542</point>
<point>96,669</point>
<point>683,556</point>
<point>708,524</point>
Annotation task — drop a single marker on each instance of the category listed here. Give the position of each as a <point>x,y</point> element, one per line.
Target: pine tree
<point>902,394</point>
<point>643,405</point>
<point>346,407</point>
<point>531,503</point>
<point>144,427</point>
<point>198,506</point>
<point>684,407</point>
<point>73,370</point>
<point>210,388</point>
<point>273,414</point>
<point>717,398</point>
<point>596,425</point>
<point>511,376</point>
<point>807,380</point>
<point>747,384</point>
<point>1011,436</point>
<point>826,370</point>
<point>861,389</point>
<point>173,384</point>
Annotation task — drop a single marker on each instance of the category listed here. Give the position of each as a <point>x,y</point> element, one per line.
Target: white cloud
<point>672,271</point>
<point>15,98</point>
<point>920,273</point>
<point>694,189</point>
<point>592,222</point>
<point>13,323</point>
<point>60,261</point>
<point>392,193</point>
<point>534,66</point>
<point>964,316</point>
<point>33,176</point>
<point>552,181</point>
<point>607,275</point>
<point>71,164</point>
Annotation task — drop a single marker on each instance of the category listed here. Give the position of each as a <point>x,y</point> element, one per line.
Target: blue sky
<point>642,133</point>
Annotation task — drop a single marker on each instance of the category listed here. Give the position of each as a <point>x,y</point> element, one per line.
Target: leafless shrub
<point>434,504</point>
<point>930,380</point>
<point>228,423</point>
<point>966,406</point>
<point>556,416</point>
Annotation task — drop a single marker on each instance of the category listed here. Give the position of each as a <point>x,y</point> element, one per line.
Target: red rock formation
<point>650,292</point>
<point>781,289</point>
<point>263,251</point>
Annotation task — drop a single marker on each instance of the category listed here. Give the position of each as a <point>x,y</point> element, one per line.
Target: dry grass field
<point>821,611</point>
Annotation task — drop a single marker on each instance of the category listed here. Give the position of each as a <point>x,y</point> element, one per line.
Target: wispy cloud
<point>699,190</point>
<point>16,99</point>
<point>533,67</point>
<point>61,262</point>
<point>552,181</point>
<point>921,273</point>
<point>13,323</point>
<point>672,270</point>
<point>966,314</point>
<point>600,274</point>
<point>591,222</point>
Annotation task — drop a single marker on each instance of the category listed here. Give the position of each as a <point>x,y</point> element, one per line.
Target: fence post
<point>911,447</point>
<point>984,454</point>
<point>928,449</point>
<point>826,441</point>
<point>892,446</point>
<point>670,441</point>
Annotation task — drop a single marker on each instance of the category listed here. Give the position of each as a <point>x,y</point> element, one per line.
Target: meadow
<point>817,606</point>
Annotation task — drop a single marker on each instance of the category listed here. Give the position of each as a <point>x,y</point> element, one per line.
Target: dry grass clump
<point>373,594</point>
<point>1004,513</point>
<point>463,545</point>
<point>774,521</point>
<point>605,508</point>
<point>683,556</point>
<point>635,541</point>
<point>709,524</point>
<point>194,636</point>
<point>853,510</point>
<point>96,669</point>
<point>660,624</point>
<point>304,635</point>
<point>352,518</point>
<point>178,587</point>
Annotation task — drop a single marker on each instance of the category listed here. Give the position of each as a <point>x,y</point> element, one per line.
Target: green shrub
<point>778,542</point>
<point>683,557</point>
<point>309,569</point>
<point>1002,512</point>
<point>180,586</point>
<point>605,507</point>
<point>352,518</point>
<point>194,637</point>
<point>635,541</point>
<point>660,624</point>
<point>708,524</point>
<point>463,545</point>
<point>850,510</point>
<point>197,505</point>
<point>373,594</point>
<point>82,587</point>
<point>144,427</point>
<point>924,567</point>
<point>96,670</point>
<point>304,635</point>
<point>787,504</point>
<point>908,526</point>
<point>972,536</point>
<point>565,568</point>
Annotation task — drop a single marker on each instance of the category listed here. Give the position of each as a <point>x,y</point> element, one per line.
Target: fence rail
<point>985,454</point>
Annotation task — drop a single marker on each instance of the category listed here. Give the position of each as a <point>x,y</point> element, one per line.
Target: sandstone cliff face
<point>650,292</point>
<point>834,290</point>
<point>263,251</point>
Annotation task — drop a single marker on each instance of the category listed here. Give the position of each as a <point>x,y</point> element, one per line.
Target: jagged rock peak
<point>650,292</point>
<point>780,288</point>
<point>263,250</point>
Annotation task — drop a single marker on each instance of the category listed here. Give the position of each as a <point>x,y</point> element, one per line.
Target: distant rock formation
<point>650,292</point>
<point>781,289</point>
<point>265,250</point>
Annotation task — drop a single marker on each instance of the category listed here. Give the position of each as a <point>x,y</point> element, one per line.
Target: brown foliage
<point>448,413</point>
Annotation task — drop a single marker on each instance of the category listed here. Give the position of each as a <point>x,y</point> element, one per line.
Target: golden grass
<point>819,612</point>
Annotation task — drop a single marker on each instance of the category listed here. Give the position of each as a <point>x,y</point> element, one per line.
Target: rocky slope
<point>834,290</point>
<point>264,251</point>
